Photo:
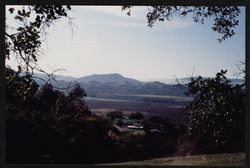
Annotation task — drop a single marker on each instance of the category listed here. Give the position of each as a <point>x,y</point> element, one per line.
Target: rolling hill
<point>108,78</point>
<point>101,85</point>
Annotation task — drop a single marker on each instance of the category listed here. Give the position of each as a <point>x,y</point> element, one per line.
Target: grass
<point>225,159</point>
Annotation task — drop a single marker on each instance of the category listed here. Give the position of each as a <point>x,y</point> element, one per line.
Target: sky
<point>103,39</point>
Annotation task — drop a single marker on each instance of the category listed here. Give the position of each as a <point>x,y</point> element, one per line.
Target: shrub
<point>115,114</point>
<point>136,116</point>
<point>217,114</point>
<point>41,123</point>
<point>161,135</point>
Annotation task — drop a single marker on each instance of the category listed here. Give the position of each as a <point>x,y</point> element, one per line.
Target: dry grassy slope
<point>235,159</point>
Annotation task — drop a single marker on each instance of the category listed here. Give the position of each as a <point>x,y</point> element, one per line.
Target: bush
<point>19,87</point>
<point>217,112</point>
<point>136,116</point>
<point>115,114</point>
<point>42,123</point>
<point>161,135</point>
<point>186,145</point>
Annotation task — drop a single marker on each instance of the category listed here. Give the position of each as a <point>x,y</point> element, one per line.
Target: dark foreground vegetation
<point>45,125</point>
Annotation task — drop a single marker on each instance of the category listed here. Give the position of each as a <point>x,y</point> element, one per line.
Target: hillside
<point>117,84</point>
<point>106,85</point>
<point>235,159</point>
<point>108,78</point>
<point>103,85</point>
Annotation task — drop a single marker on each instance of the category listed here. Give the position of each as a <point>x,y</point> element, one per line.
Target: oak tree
<point>225,18</point>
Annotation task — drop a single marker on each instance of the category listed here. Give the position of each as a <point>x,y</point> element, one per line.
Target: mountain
<point>238,81</point>
<point>65,78</point>
<point>99,85</point>
<point>61,81</point>
<point>108,78</point>
<point>171,81</point>
<point>115,78</point>
<point>234,81</point>
<point>110,84</point>
<point>184,81</point>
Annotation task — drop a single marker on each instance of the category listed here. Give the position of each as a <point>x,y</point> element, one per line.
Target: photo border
<point>115,2</point>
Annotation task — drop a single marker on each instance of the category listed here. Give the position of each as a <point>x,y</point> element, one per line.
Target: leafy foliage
<point>217,113</point>
<point>115,114</point>
<point>42,114</point>
<point>19,87</point>
<point>24,41</point>
<point>137,116</point>
<point>225,17</point>
<point>161,135</point>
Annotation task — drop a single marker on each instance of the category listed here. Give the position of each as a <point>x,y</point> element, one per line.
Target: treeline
<point>45,125</point>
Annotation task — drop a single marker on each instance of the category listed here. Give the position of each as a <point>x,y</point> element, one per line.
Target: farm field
<point>178,98</point>
<point>171,107</point>
<point>106,99</point>
<point>102,112</point>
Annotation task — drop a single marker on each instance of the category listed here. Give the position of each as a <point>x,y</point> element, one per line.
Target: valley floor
<point>225,159</point>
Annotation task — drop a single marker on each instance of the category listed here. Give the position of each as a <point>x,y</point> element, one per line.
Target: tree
<point>137,116</point>
<point>19,87</point>
<point>24,41</point>
<point>217,113</point>
<point>115,114</point>
<point>225,17</point>
<point>46,122</point>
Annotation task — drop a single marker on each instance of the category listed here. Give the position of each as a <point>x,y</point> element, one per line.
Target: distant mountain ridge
<point>99,85</point>
<point>106,84</point>
<point>108,78</point>
<point>119,79</point>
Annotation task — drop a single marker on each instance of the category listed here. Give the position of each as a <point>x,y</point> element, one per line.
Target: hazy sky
<point>106,40</point>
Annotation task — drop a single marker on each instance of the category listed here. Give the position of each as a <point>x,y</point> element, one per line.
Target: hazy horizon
<point>164,80</point>
<point>105,40</point>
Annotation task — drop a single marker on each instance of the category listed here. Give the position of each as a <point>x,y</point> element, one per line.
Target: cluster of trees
<point>40,118</point>
<point>54,126</point>
<point>45,125</point>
